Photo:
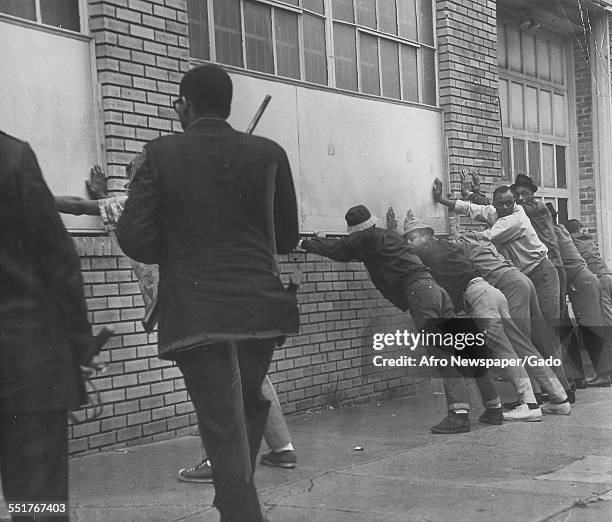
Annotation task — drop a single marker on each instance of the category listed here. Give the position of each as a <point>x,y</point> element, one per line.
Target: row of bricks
<point>131,436</point>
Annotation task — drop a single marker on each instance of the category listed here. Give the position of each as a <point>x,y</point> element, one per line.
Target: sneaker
<point>202,473</point>
<point>454,423</point>
<point>571,396</point>
<point>524,413</point>
<point>492,416</point>
<point>562,408</point>
<point>280,459</point>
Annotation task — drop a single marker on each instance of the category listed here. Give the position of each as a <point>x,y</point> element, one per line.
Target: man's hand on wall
<point>437,190</point>
<point>97,186</point>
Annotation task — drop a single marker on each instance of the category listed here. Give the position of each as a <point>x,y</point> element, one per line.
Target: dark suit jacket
<point>209,205</point>
<point>43,315</point>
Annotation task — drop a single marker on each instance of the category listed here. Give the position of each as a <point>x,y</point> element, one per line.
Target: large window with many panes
<point>533,92</point>
<point>377,47</point>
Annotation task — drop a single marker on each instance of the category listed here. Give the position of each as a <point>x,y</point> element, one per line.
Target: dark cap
<point>524,181</point>
<point>359,218</point>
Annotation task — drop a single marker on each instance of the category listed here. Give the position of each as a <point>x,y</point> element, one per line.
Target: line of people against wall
<point>511,279</point>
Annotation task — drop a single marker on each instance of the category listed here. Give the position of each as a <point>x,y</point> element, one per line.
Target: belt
<point>474,281</point>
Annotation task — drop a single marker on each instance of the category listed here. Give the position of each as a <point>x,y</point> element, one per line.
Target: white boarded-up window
<point>58,115</point>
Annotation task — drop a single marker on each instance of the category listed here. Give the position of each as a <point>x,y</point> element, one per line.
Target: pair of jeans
<point>489,309</point>
<point>428,303</point>
<point>208,379</point>
<point>526,314</point>
<point>34,458</point>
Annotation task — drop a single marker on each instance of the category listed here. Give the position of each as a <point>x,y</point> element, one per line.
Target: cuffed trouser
<point>208,379</point>
<point>526,314</point>
<point>34,459</point>
<point>276,432</point>
<point>428,302</point>
<point>489,309</point>
<point>456,391</point>
<point>585,296</point>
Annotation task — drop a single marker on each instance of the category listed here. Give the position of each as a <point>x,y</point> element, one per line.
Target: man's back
<point>43,316</point>
<point>212,225</point>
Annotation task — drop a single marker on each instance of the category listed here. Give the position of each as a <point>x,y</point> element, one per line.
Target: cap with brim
<point>416,224</point>
<point>524,181</point>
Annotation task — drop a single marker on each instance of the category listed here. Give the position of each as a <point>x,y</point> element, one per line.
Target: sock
<point>286,447</point>
<point>533,405</point>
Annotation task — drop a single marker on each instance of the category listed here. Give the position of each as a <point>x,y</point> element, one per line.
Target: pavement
<point>557,470</point>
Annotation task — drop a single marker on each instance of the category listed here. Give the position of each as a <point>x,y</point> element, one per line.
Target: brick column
<point>584,126</point>
<point>467,58</point>
<point>141,53</point>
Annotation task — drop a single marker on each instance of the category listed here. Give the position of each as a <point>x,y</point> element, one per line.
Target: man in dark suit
<point>210,206</point>
<point>44,332</point>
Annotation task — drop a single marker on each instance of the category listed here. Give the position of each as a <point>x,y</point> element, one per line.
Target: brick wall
<point>330,361</point>
<point>584,126</point>
<point>467,58</point>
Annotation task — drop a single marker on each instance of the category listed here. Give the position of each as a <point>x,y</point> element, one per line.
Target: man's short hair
<point>209,89</point>
<point>501,189</point>
<point>572,225</point>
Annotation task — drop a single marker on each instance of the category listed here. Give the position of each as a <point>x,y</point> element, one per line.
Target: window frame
<point>566,90</point>
<point>330,57</point>
<point>83,14</point>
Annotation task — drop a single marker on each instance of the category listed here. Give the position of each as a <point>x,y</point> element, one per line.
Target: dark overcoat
<point>43,315</point>
<point>210,205</point>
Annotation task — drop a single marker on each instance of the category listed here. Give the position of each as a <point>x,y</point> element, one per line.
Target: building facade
<point>372,99</point>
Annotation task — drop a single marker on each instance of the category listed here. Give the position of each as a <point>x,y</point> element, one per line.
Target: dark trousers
<point>34,459</point>
<point>429,304</point>
<point>585,295</point>
<point>208,379</point>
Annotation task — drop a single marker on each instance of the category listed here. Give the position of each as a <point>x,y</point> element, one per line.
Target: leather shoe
<point>600,382</point>
<point>577,384</point>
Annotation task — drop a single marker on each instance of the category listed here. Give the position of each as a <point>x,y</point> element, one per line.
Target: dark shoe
<point>579,384</point>
<point>280,459</point>
<point>492,416</point>
<point>599,382</point>
<point>202,473</point>
<point>454,423</point>
<point>571,396</point>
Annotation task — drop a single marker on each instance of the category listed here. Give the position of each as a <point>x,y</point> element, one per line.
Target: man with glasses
<point>210,206</point>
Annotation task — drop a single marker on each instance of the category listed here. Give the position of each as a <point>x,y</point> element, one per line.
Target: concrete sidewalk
<point>558,470</point>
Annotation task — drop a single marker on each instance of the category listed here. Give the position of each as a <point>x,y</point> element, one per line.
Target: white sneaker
<point>523,413</point>
<point>563,408</point>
